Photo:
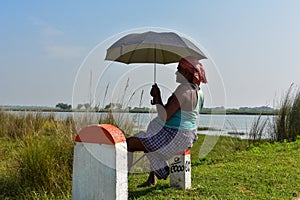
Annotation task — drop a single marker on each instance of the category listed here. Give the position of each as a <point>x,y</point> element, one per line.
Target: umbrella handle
<point>152,102</point>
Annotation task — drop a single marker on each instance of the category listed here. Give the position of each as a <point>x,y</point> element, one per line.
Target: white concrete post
<point>180,171</point>
<point>100,164</point>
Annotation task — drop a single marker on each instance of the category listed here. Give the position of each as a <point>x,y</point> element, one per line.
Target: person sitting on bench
<point>174,130</point>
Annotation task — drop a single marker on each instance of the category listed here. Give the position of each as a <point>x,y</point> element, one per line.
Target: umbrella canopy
<point>152,47</point>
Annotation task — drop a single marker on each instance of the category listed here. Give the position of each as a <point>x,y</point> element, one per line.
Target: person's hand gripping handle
<point>155,93</point>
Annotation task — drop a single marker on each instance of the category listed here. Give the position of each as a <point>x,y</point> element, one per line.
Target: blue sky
<point>252,46</point>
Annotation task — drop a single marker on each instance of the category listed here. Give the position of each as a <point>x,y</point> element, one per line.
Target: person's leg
<point>134,144</point>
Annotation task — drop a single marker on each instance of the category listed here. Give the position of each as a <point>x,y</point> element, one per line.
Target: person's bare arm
<point>167,110</point>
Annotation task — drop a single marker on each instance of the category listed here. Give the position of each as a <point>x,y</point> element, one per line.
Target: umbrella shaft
<point>154,72</point>
<point>155,63</point>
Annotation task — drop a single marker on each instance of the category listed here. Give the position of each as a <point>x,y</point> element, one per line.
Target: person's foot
<point>150,181</point>
<point>147,184</point>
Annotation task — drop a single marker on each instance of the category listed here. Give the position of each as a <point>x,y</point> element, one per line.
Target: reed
<point>287,119</point>
<point>259,129</point>
<point>16,125</point>
<point>45,163</point>
<point>118,115</point>
<point>294,118</point>
<point>38,159</point>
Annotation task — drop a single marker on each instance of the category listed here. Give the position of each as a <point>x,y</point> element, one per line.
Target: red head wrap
<point>192,65</point>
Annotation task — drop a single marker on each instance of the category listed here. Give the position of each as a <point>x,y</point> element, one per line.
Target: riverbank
<point>204,111</point>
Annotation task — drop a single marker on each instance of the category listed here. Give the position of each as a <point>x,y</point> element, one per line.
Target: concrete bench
<point>180,170</point>
<point>100,164</point>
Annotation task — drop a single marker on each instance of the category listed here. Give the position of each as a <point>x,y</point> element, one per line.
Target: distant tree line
<point>64,106</point>
<point>120,107</point>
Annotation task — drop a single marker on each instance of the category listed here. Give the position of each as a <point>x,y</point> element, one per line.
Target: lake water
<point>222,124</point>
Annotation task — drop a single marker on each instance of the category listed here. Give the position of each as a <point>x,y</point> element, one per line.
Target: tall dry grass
<point>287,119</point>
<point>118,115</point>
<point>16,125</point>
<point>260,130</point>
<point>40,158</point>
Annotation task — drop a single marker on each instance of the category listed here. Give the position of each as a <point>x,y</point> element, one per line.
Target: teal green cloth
<point>185,120</point>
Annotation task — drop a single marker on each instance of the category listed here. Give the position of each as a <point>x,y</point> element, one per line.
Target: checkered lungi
<point>162,143</point>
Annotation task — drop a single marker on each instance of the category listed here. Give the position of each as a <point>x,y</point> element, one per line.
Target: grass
<point>267,171</point>
<point>36,156</point>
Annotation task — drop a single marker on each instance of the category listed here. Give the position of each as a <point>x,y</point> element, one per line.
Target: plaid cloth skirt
<point>162,143</point>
